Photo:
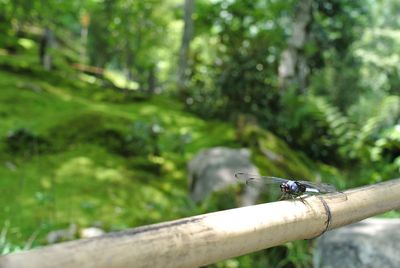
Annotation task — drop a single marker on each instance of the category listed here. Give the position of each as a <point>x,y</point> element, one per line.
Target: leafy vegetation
<point>95,129</point>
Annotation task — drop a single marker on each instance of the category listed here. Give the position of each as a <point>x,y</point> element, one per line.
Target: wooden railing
<point>208,238</point>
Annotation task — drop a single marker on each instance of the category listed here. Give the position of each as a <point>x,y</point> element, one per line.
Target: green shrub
<point>314,126</point>
<point>118,136</point>
<point>23,142</point>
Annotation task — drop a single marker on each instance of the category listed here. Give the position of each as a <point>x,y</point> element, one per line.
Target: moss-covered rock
<point>273,156</point>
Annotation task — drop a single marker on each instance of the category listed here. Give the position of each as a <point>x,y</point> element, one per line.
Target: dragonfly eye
<point>284,187</point>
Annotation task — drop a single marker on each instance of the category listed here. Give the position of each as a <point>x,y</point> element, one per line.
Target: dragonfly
<point>289,188</point>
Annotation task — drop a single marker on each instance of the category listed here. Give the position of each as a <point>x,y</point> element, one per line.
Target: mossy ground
<point>80,178</point>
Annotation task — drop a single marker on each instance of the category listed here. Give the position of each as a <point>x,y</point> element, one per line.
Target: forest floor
<point>64,159</point>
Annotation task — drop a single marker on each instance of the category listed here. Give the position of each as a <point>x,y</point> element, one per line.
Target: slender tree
<point>293,69</point>
<point>184,50</point>
<point>46,43</point>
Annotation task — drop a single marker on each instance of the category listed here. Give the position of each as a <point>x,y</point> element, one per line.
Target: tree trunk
<point>128,70</point>
<point>46,43</point>
<point>151,80</point>
<point>184,50</point>
<point>84,38</point>
<point>293,69</point>
<point>85,21</point>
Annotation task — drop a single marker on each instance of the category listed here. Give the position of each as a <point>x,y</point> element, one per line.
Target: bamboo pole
<point>208,238</point>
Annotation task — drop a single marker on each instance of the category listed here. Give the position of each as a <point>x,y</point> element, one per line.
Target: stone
<point>370,243</point>
<point>214,169</point>
<point>62,235</point>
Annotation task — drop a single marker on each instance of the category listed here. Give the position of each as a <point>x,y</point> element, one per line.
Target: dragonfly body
<point>291,188</point>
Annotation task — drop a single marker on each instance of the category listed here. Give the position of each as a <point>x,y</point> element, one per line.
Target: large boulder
<point>214,169</point>
<point>369,243</point>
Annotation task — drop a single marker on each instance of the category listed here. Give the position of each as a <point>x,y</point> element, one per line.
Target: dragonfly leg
<point>301,199</point>
<point>283,197</point>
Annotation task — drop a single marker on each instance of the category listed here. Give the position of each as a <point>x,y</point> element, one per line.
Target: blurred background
<point>104,103</point>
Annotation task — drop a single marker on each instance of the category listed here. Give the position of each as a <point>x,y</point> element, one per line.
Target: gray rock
<point>214,169</point>
<point>369,243</point>
<point>62,235</point>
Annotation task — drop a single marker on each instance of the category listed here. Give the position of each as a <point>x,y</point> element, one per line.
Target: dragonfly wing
<point>257,180</point>
<point>318,187</point>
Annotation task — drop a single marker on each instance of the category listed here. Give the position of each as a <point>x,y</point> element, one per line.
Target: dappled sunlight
<point>26,43</point>
<point>149,110</point>
<point>79,166</point>
<point>109,175</point>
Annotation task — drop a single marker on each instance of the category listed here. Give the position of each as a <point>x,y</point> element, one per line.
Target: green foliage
<point>336,25</point>
<point>336,68</point>
<point>244,43</point>
<point>5,245</point>
<point>22,141</point>
<point>105,131</point>
<point>316,127</point>
<point>132,48</point>
<point>78,149</point>
<point>339,82</point>
<point>377,142</point>
<point>145,137</point>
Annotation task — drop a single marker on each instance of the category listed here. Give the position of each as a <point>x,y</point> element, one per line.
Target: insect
<point>289,188</point>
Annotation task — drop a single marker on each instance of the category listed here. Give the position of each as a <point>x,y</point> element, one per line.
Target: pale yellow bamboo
<point>208,238</point>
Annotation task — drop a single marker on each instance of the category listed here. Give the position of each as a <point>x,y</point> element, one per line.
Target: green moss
<point>273,156</point>
<point>83,180</point>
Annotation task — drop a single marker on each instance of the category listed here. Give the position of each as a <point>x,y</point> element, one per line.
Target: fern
<point>340,130</point>
<point>318,128</point>
<point>381,131</point>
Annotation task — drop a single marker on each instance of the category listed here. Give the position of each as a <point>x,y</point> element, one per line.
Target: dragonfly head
<point>285,188</point>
